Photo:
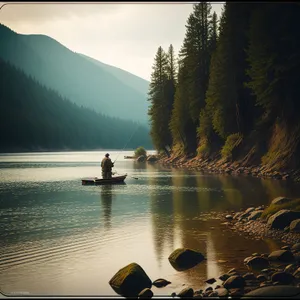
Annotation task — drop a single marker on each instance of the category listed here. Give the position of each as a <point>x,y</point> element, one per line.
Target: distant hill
<point>87,82</point>
<point>33,117</point>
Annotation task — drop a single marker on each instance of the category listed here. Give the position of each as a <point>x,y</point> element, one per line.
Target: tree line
<point>34,117</point>
<point>233,90</point>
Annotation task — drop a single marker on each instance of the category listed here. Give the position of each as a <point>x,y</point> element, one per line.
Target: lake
<point>59,237</point>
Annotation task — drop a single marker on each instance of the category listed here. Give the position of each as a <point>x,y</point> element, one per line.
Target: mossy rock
<point>182,259</point>
<point>130,281</point>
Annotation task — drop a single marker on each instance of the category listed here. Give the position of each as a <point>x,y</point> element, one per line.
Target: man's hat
<point>107,154</point>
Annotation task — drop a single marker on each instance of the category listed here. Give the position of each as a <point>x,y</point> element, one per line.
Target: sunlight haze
<point>124,35</point>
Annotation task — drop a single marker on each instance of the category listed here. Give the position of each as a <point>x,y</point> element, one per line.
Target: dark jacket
<point>106,164</point>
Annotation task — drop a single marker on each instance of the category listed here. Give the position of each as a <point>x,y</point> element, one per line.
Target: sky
<point>124,35</point>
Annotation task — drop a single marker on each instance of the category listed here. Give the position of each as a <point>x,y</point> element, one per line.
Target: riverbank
<point>219,166</point>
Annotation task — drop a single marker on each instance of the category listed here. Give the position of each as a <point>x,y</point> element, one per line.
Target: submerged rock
<point>160,282</point>
<point>130,281</point>
<point>182,259</point>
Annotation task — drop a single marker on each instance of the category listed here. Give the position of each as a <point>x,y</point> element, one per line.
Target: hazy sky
<point>124,35</point>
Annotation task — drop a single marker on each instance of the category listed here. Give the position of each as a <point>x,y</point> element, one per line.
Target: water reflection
<point>106,203</point>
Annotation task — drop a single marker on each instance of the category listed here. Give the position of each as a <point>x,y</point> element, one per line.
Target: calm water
<point>58,237</point>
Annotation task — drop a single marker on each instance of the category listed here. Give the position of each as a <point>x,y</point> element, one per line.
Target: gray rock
<point>141,158</point>
<point>146,294</point>
<point>234,282</point>
<point>182,259</point>
<point>211,280</point>
<point>224,277</point>
<point>282,218</point>
<point>186,293</point>
<point>255,215</point>
<point>258,263</point>
<point>280,200</point>
<point>295,226</point>
<point>274,291</point>
<point>283,278</point>
<point>249,276</point>
<point>152,158</point>
<point>130,281</point>
<point>229,217</point>
<point>296,247</point>
<point>281,256</point>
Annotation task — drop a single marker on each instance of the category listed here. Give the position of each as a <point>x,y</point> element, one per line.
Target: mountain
<point>107,90</point>
<point>33,117</point>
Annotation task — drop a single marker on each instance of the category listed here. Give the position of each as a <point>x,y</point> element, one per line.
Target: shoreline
<point>219,166</point>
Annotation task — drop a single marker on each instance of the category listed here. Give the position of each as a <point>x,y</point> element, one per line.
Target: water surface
<point>58,237</point>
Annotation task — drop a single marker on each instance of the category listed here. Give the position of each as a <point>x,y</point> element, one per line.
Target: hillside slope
<point>33,117</point>
<point>73,76</point>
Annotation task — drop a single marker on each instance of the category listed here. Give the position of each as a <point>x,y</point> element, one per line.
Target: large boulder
<point>130,281</point>
<point>281,200</point>
<point>281,256</point>
<point>295,225</point>
<point>282,218</point>
<point>274,291</point>
<point>182,259</point>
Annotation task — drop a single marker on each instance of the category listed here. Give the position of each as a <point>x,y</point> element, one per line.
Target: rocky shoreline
<point>219,166</point>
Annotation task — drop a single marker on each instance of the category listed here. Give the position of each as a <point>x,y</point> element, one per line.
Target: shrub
<point>140,151</point>
<point>232,142</point>
<point>274,208</point>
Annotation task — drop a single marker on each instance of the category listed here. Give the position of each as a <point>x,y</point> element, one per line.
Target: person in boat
<point>106,165</point>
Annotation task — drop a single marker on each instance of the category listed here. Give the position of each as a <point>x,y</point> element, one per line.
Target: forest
<point>36,118</point>
<point>233,91</point>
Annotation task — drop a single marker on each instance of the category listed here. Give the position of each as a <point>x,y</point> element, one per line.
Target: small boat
<point>96,180</point>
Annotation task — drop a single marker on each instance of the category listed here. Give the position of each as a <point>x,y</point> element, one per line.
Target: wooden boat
<point>96,180</point>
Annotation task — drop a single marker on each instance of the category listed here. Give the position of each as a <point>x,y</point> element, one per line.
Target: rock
<point>173,295</point>
<point>282,278</point>
<point>229,217</point>
<point>183,259</point>
<point>152,158</point>
<point>234,282</point>
<point>233,270</point>
<point>290,268</point>
<point>211,280</point>
<point>286,248</point>
<point>280,200</point>
<point>295,225</point>
<point>282,218</point>
<point>247,259</point>
<point>222,292</point>
<point>160,282</point>
<point>186,293</point>
<point>141,158</point>
<point>297,273</point>
<point>274,291</point>
<point>236,293</point>
<point>237,215</point>
<point>249,210</point>
<point>249,276</point>
<point>296,247</point>
<point>255,215</point>
<point>258,263</point>
<point>208,289</point>
<point>130,281</point>
<point>224,277</point>
<point>146,294</point>
<point>281,256</point>
<point>262,278</point>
